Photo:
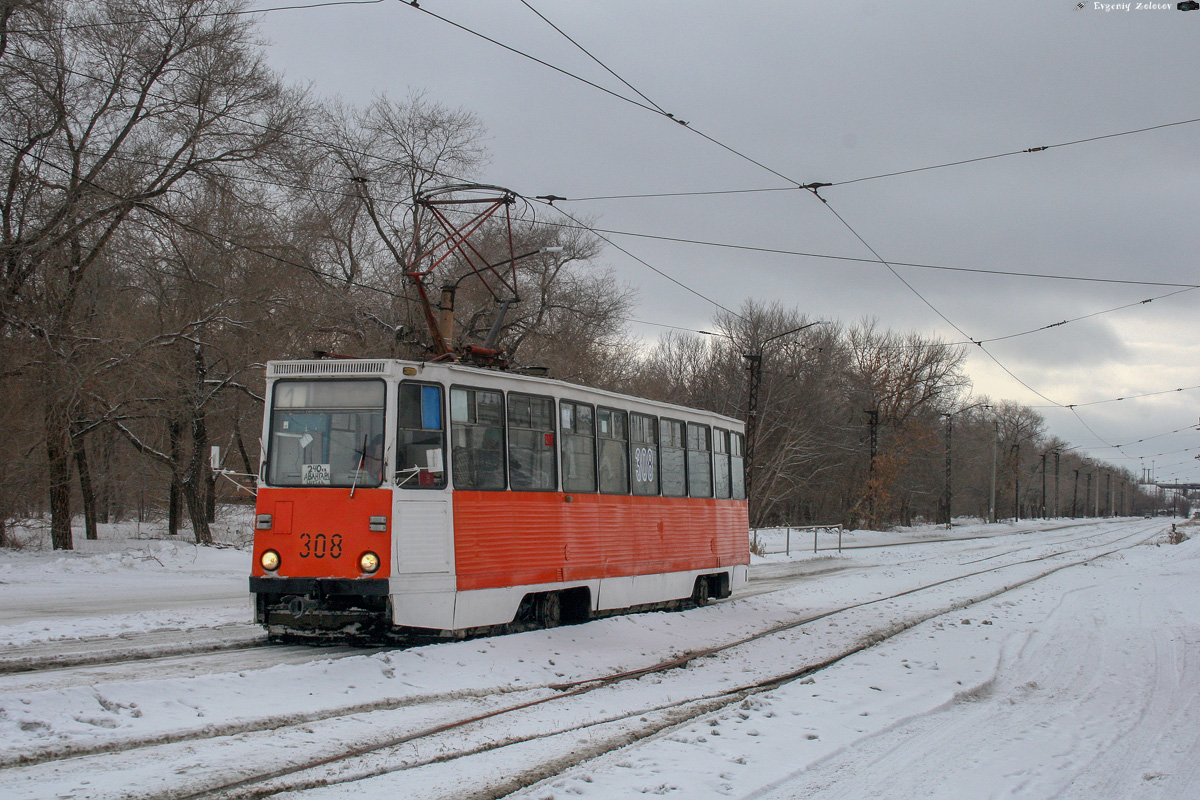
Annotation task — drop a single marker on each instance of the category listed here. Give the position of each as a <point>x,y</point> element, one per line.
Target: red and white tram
<point>399,496</point>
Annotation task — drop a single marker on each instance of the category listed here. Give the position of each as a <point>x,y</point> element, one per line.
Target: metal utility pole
<point>1075,497</point>
<point>754,367</point>
<point>1043,485</point>
<point>1057,459</point>
<point>1016,451</point>
<point>873,423</point>
<point>949,498</point>
<point>995,448</point>
<point>949,439</point>
<point>1087,501</point>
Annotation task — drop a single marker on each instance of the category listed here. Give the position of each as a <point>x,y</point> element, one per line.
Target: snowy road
<point>1010,666</point>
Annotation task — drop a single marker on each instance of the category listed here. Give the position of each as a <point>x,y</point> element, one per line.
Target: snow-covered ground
<point>1070,671</point>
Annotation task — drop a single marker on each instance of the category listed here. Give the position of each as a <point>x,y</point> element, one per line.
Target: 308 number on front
<point>320,545</point>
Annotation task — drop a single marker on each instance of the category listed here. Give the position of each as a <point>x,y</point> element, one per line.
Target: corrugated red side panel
<point>519,538</point>
<point>305,522</point>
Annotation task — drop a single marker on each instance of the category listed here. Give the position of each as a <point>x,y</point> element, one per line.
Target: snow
<point>131,579</point>
<point>1044,679</point>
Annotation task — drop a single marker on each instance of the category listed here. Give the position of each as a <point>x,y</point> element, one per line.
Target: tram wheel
<point>548,610</point>
<point>700,595</point>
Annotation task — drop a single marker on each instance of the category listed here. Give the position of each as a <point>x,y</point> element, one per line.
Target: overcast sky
<point>833,92</point>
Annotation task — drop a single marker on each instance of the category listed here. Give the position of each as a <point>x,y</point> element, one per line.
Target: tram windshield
<point>327,433</point>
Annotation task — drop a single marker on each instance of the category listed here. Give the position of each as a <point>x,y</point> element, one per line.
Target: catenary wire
<point>648,265</point>
<point>1079,318</point>
<point>1126,397</point>
<point>652,105</point>
<point>926,301</point>
<point>909,286</point>
<point>1019,152</point>
<point>699,242</point>
<point>862,260</point>
<point>586,52</point>
<point>648,107</point>
<point>533,58</point>
<point>887,174</point>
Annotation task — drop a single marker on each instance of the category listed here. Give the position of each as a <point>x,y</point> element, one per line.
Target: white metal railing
<point>816,529</point>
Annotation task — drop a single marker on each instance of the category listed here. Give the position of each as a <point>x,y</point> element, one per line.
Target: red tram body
<point>408,496</point>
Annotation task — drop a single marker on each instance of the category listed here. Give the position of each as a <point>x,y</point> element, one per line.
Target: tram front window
<point>327,433</point>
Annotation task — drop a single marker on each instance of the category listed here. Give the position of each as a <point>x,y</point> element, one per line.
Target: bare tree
<point>108,108</point>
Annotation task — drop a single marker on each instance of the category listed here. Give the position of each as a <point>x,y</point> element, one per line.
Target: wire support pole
<point>754,369</point>
<point>949,450</point>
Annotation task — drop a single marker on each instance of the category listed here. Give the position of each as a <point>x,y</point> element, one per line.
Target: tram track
<point>810,568</point>
<point>97,651</point>
<point>665,716</point>
<point>175,666</point>
<point>983,537</point>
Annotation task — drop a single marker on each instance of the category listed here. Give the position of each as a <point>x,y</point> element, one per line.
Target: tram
<point>426,498</point>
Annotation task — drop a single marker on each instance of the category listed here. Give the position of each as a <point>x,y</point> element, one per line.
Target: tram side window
<point>578,426</point>
<point>721,463</point>
<point>699,460</point>
<point>477,438</point>
<point>672,453</point>
<point>531,454</point>
<point>613,427</point>
<point>737,466</point>
<point>420,459</point>
<point>643,442</point>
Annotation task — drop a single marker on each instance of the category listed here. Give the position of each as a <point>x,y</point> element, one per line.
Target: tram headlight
<point>368,562</point>
<point>269,560</point>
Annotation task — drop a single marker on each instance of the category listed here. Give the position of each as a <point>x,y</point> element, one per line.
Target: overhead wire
<point>926,301</point>
<point>715,244</point>
<point>648,106</point>
<point>288,262</point>
<point>813,187</point>
<point>945,165</point>
<point>1039,149</point>
<point>532,58</point>
<point>1079,318</point>
<point>1126,397</point>
<point>586,52</point>
<point>1160,435</point>
<point>647,264</point>
<point>354,195</point>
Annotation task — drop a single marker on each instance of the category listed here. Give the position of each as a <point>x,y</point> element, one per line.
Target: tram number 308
<point>320,545</point>
<point>643,464</point>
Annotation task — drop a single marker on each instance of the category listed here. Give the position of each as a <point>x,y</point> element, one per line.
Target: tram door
<point>421,523</point>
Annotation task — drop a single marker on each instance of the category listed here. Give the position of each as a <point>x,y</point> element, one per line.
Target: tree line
<point>174,214</point>
<point>868,427</point>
